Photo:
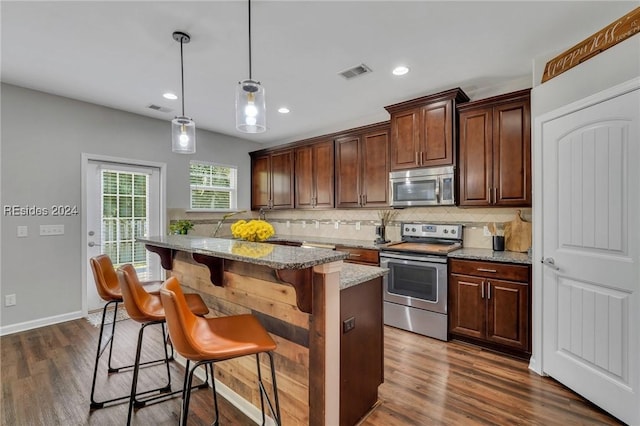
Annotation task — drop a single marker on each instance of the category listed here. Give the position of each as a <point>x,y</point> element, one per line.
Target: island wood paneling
<point>257,290</point>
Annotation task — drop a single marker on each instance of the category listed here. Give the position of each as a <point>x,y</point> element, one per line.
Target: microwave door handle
<point>438,184</point>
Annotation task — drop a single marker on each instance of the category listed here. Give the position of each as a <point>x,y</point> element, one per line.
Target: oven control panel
<point>430,230</point>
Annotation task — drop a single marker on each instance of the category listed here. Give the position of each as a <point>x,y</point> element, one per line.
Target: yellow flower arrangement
<point>254,230</point>
<point>247,249</point>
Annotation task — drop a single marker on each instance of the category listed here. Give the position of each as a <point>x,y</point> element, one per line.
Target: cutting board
<point>517,234</point>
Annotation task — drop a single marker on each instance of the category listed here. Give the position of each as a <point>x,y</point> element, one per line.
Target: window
<point>213,186</point>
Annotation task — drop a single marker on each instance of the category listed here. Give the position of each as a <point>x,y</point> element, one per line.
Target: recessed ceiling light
<point>169,95</point>
<point>401,70</point>
<point>283,110</point>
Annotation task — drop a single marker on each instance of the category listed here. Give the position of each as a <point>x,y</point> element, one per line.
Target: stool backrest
<point>141,306</point>
<point>105,277</point>
<point>179,317</point>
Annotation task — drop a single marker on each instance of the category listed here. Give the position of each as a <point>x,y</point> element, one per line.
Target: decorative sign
<point>609,36</point>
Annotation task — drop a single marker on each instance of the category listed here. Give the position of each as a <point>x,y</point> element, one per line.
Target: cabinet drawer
<point>490,270</point>
<point>359,255</point>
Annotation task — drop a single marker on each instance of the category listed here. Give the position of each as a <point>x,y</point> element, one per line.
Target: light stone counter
<point>352,274</point>
<point>490,255</point>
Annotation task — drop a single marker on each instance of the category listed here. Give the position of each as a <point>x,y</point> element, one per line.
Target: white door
<point>122,203</point>
<point>590,231</point>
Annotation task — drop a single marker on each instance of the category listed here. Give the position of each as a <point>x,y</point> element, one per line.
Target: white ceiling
<point>121,54</point>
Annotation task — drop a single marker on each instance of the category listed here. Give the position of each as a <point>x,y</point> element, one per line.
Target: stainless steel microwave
<point>433,186</point>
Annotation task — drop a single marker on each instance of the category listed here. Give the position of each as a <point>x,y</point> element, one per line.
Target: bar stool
<point>146,308</point>
<point>108,288</point>
<point>209,340</point>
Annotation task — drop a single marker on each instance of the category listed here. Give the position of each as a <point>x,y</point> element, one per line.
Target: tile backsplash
<point>358,224</point>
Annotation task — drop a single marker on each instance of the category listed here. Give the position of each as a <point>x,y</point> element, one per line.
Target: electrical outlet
<point>486,232</point>
<point>336,225</point>
<point>288,224</point>
<point>304,224</point>
<point>348,324</point>
<point>23,231</point>
<point>317,224</point>
<point>357,226</point>
<point>10,300</point>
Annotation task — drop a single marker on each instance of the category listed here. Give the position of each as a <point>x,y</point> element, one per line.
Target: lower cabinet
<point>361,350</point>
<point>490,303</point>
<point>360,256</point>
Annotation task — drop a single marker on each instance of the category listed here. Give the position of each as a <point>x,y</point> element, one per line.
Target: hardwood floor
<point>46,380</point>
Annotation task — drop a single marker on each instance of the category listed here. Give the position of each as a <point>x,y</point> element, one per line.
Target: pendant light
<point>183,129</point>
<point>251,109</point>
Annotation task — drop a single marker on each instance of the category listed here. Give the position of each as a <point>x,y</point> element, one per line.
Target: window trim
<point>233,192</point>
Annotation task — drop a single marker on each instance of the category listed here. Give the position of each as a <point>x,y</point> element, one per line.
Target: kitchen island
<point>318,310</point>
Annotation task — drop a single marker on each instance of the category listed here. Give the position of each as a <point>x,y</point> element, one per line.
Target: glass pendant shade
<point>183,135</point>
<point>251,108</point>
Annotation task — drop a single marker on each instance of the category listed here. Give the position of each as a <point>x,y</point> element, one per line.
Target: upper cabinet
<point>362,167</point>
<point>495,151</point>
<point>423,130</point>
<point>272,180</point>
<point>314,175</point>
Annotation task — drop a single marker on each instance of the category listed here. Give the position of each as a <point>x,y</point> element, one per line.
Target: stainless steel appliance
<point>433,186</point>
<point>415,290</point>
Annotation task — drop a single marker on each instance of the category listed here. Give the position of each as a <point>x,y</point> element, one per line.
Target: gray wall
<point>43,137</point>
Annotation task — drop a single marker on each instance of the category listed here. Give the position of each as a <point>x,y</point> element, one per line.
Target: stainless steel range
<point>415,290</point>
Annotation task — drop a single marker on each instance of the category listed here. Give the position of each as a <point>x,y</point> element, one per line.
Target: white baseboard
<point>236,400</point>
<point>30,325</point>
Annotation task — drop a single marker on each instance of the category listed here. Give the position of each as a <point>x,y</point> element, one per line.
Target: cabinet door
<point>282,180</point>
<point>323,174</point>
<point>476,157</point>
<point>375,169</point>
<point>507,318</point>
<point>512,154</point>
<point>304,177</point>
<point>437,134</point>
<point>467,306</point>
<point>405,137</point>
<point>348,172</point>
<point>260,182</point>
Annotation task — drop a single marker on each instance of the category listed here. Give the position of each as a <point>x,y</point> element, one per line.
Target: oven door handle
<point>433,259</point>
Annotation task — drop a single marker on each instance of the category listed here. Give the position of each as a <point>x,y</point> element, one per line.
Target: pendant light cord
<point>250,40</point>
<point>182,72</point>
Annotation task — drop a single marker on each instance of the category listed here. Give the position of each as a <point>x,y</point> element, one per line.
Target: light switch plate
<point>48,230</point>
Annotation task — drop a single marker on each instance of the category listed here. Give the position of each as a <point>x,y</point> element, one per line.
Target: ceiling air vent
<point>159,108</point>
<point>355,71</point>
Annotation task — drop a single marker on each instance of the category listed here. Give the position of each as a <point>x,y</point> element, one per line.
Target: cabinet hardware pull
<point>486,270</point>
<point>495,195</point>
<point>490,195</point>
<point>488,290</point>
<point>364,199</point>
<point>417,161</point>
<point>354,255</point>
<point>421,157</point>
<point>482,290</point>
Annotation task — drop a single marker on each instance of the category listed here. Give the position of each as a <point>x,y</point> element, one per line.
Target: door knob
<point>92,244</point>
<point>550,263</point>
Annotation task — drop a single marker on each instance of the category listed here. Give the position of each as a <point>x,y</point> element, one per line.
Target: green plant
<point>180,226</point>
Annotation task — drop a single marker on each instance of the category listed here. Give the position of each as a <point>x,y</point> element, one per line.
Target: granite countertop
<point>353,274</point>
<point>490,255</point>
<point>366,244</point>
<point>271,255</point>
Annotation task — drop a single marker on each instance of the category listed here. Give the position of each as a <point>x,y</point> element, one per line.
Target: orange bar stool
<point>108,288</point>
<point>146,308</point>
<point>209,340</point>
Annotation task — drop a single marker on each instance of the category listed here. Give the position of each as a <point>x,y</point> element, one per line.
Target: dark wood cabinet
<point>495,151</point>
<point>361,350</point>
<point>272,180</point>
<point>361,256</point>
<point>314,178</point>
<point>362,167</point>
<point>423,130</point>
<point>489,303</point>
